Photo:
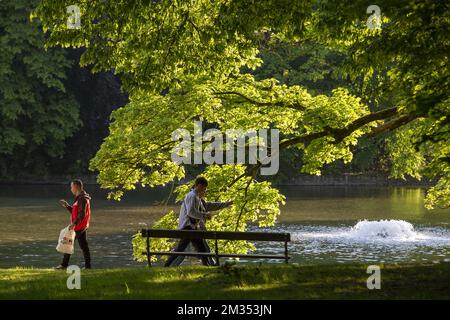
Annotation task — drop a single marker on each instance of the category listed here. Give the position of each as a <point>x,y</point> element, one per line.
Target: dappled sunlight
<point>255,287</point>
<point>23,274</point>
<point>275,282</point>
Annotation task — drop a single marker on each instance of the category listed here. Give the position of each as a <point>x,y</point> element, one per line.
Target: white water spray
<point>368,241</point>
<point>384,232</point>
<point>385,229</point>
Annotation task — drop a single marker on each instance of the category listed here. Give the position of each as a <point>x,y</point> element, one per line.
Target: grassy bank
<point>344,281</point>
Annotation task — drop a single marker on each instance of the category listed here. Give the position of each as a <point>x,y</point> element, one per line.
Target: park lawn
<point>342,281</point>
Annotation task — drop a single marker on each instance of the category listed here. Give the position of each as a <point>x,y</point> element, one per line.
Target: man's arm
<point>64,204</point>
<point>192,206</point>
<point>214,206</point>
<point>81,210</point>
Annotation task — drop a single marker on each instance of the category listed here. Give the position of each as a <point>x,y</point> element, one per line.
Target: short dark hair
<point>201,180</point>
<point>78,183</point>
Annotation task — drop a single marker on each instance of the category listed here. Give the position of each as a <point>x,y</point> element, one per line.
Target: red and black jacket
<point>81,211</point>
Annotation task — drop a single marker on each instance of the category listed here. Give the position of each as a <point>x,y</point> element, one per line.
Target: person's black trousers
<point>81,236</point>
<point>199,245</point>
<point>179,259</point>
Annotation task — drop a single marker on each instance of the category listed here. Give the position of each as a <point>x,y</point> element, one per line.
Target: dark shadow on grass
<point>234,282</point>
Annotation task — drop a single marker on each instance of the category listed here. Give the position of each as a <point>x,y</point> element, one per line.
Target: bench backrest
<point>221,235</point>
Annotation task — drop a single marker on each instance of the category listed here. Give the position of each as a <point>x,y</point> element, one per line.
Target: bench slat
<point>221,235</point>
<point>220,255</point>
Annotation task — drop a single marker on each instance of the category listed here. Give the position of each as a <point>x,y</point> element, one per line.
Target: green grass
<point>343,281</point>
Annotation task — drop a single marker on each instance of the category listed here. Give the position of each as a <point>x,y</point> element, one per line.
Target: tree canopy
<point>189,60</point>
<point>36,113</point>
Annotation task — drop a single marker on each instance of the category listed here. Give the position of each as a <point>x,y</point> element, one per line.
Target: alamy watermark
<point>239,146</point>
<point>74,20</point>
<point>374,20</point>
<point>74,280</point>
<point>374,280</point>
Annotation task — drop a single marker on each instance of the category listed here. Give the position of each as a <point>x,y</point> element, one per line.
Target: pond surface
<point>327,225</point>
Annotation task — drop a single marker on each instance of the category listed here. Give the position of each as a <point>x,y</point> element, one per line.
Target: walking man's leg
<point>181,246</point>
<point>199,245</point>
<point>65,262</point>
<point>82,241</point>
<point>212,261</point>
<point>81,236</point>
<point>179,259</point>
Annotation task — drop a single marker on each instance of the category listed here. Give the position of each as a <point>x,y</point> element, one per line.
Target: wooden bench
<point>216,235</point>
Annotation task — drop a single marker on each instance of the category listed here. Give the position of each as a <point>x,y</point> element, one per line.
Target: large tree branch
<point>391,125</point>
<point>341,133</point>
<point>296,106</point>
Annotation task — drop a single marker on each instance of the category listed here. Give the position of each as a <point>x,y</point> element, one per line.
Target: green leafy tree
<point>310,64</point>
<point>36,113</point>
<point>254,202</point>
<point>190,60</point>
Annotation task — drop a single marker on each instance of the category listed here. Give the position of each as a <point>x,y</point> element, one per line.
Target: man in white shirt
<point>193,213</point>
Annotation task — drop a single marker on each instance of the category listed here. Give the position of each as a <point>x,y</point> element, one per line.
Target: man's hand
<point>71,226</point>
<point>208,216</point>
<point>63,203</point>
<point>229,203</point>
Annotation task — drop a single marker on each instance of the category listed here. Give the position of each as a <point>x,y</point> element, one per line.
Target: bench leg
<point>217,254</point>
<point>286,255</point>
<point>148,253</point>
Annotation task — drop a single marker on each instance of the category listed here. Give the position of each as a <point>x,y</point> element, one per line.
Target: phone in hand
<point>63,203</point>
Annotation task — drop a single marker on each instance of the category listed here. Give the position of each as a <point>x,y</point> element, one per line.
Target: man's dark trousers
<point>198,244</point>
<point>81,236</point>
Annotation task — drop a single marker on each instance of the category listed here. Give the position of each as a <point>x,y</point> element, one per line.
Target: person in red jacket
<point>81,215</point>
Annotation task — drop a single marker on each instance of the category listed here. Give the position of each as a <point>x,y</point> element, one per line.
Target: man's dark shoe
<point>87,267</point>
<point>60,267</point>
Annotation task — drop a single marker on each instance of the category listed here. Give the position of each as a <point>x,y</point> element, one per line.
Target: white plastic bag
<point>65,242</point>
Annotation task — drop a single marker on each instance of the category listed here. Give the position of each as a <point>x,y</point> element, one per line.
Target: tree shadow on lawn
<point>232,282</point>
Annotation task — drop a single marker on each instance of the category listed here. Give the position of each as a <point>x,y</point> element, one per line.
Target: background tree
<point>54,114</point>
<point>189,60</point>
<point>36,112</point>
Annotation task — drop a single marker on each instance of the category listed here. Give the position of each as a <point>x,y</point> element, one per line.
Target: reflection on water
<point>106,251</point>
<point>319,218</point>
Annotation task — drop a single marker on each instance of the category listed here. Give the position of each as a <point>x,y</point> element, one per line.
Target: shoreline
<point>373,180</point>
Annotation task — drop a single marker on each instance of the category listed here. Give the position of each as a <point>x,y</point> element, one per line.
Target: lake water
<point>327,225</point>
